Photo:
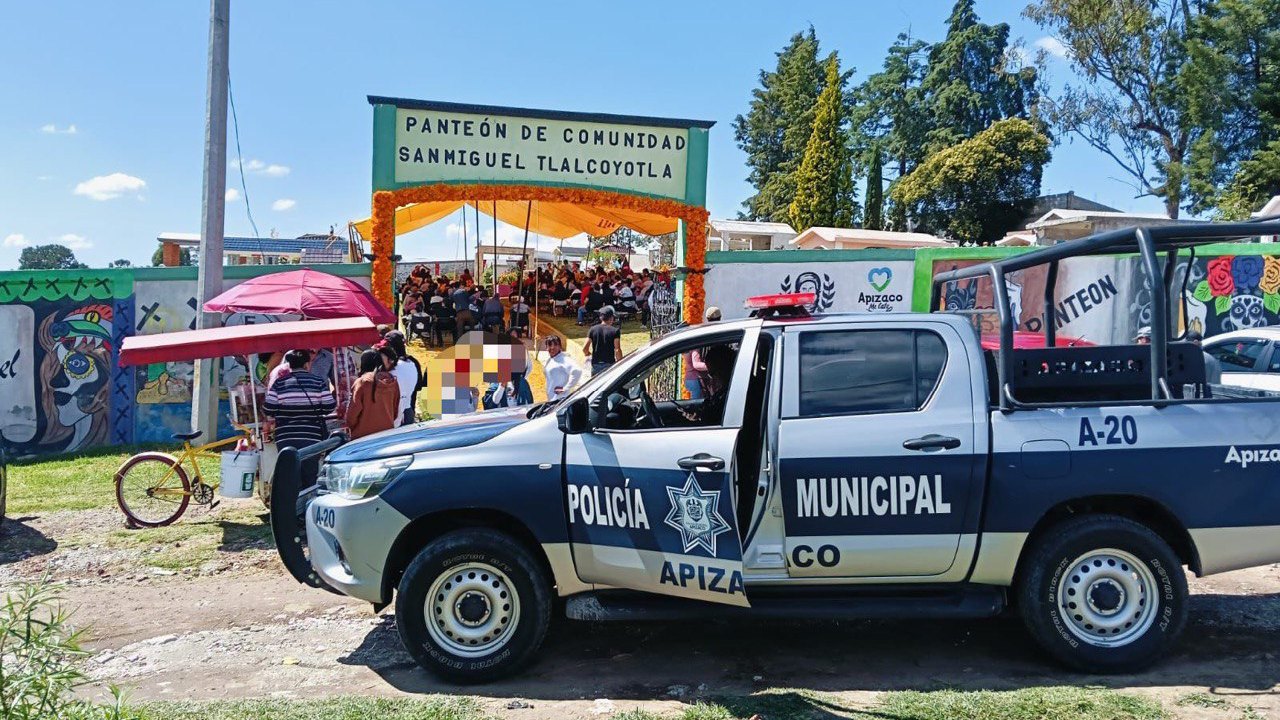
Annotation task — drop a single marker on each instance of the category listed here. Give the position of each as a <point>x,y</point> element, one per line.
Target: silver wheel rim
<point>472,610</point>
<point>1107,597</point>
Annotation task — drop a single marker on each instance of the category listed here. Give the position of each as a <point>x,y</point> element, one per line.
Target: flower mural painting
<point>76,369</point>
<point>1243,290</point>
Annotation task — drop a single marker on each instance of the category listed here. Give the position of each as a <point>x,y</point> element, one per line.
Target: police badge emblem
<point>695,514</point>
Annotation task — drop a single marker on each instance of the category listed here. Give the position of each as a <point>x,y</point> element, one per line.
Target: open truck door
<point>650,490</point>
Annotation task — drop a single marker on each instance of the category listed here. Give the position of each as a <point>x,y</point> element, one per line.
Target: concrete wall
<point>1103,300</point>
<point>61,386</point>
<point>842,280</point>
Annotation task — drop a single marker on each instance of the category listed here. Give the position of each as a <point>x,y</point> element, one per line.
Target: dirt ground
<point>235,625</point>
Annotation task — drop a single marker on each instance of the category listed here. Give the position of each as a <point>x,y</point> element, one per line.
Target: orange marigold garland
<point>386,202</point>
<point>383,246</point>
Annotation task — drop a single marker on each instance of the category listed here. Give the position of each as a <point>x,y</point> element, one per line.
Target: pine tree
<point>889,107</point>
<point>777,127</point>
<point>824,194</point>
<point>967,85</point>
<point>873,212</point>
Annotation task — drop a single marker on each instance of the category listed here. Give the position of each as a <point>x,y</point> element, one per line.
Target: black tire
<point>1143,629</point>
<point>142,475</point>
<point>462,555</point>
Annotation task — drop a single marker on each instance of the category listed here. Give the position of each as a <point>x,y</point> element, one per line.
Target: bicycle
<point>153,489</point>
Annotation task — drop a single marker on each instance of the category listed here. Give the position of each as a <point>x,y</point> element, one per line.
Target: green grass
<point>1053,703</point>
<point>1203,700</point>
<point>84,481</point>
<point>343,708</point>
<point>634,335</point>
<point>198,537</point>
<point>1027,704</point>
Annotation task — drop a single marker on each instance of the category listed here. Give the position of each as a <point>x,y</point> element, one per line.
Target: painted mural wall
<point>1106,300</point>
<point>841,280</point>
<point>61,387</point>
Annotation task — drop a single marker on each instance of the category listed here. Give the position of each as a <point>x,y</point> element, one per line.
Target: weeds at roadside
<point>39,657</point>
<point>1203,700</point>
<point>1052,703</point>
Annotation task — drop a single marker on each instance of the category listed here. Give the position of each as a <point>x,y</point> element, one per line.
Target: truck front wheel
<point>1103,594</point>
<point>473,606</point>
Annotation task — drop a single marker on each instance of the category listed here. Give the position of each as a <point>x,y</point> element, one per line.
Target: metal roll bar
<point>1146,242</point>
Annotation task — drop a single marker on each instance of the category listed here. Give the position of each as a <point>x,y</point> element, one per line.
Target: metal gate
<point>664,316</point>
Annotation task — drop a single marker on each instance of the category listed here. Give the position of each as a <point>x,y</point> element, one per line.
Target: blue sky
<point>102,124</point>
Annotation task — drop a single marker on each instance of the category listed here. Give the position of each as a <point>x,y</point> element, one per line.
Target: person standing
<point>408,376</point>
<point>561,372</point>
<point>299,403</point>
<point>461,308</point>
<point>375,398</point>
<point>604,342</point>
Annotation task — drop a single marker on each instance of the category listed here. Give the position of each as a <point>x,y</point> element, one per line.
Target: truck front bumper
<point>350,540</point>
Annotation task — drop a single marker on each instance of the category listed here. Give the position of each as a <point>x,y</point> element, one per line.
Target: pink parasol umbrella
<point>312,294</point>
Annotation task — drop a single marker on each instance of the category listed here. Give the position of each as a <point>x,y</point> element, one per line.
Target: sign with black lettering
<point>439,146</point>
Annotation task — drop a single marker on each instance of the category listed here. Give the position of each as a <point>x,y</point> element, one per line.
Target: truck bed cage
<point>1148,242</point>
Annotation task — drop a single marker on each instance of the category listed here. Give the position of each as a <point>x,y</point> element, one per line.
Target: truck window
<point>868,371</point>
<point>1238,355</point>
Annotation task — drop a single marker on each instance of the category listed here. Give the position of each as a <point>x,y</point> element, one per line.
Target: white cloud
<point>1053,46</point>
<point>16,240</point>
<point>283,204</point>
<point>109,187</point>
<point>453,231</point>
<point>51,129</point>
<point>232,195</point>
<point>74,241</point>
<point>258,167</point>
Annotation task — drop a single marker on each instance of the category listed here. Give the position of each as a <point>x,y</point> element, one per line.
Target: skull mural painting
<point>76,368</point>
<point>1242,291</point>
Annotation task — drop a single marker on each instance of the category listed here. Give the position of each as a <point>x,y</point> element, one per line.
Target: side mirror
<point>573,418</point>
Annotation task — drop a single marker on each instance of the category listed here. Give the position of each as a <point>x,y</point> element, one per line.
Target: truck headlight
<point>361,479</point>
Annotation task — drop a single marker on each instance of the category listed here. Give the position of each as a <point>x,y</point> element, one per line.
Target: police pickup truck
<point>831,467</point>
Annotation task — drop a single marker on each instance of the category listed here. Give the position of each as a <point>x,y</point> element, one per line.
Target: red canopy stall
<point>247,340</point>
<point>309,293</point>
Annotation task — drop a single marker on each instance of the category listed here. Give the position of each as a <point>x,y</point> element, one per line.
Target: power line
<point>235,123</point>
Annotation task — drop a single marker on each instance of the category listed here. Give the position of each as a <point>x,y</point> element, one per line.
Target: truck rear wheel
<point>473,606</point>
<point>1103,594</point>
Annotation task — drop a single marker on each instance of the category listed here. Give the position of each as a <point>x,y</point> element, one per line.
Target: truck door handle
<point>701,461</point>
<point>932,442</point>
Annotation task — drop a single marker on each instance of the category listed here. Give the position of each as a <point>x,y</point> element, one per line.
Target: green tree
<point>121,263</point>
<point>967,85</point>
<point>976,190</point>
<point>1130,107</point>
<point>184,257</point>
<point>49,257</point>
<point>1255,182</point>
<point>1231,85</point>
<point>889,114</point>
<point>824,195</point>
<point>873,212</point>
<point>777,127</point>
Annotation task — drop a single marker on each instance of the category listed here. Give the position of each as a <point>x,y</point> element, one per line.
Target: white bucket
<point>239,471</point>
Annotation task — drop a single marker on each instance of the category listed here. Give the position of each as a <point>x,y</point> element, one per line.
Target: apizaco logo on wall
<point>839,286</point>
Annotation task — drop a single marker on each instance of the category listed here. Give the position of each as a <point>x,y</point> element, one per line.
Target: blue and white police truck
<point>847,466</point>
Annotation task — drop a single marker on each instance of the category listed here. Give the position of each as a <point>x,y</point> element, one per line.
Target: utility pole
<point>204,400</point>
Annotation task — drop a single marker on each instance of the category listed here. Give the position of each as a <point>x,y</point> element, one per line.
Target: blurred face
<point>553,348</point>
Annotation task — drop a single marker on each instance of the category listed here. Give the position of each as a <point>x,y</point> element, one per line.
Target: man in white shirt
<point>562,373</point>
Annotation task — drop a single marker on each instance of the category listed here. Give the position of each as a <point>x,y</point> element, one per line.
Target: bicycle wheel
<point>152,489</point>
